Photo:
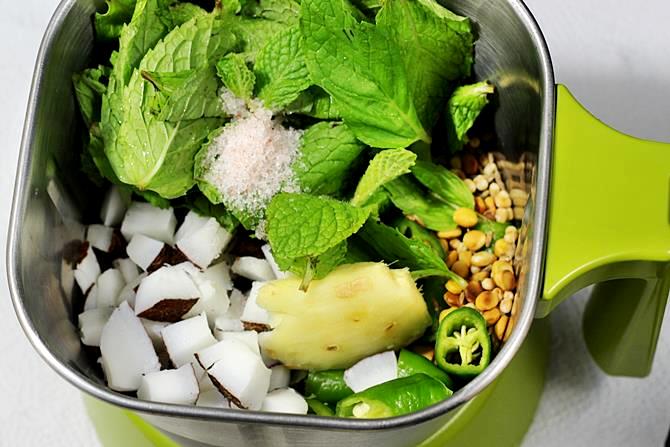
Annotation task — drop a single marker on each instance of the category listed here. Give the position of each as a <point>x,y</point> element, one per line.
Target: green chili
<point>410,363</point>
<point>327,386</point>
<point>463,344</point>
<point>319,408</point>
<point>393,398</point>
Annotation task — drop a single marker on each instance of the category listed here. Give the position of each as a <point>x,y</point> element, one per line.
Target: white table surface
<point>613,54</point>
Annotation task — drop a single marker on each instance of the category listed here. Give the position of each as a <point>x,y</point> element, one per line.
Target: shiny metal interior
<point>510,52</point>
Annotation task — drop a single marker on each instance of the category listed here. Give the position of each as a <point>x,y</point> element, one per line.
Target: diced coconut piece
<point>219,275</point>
<point>91,298</point>
<point>100,237</point>
<point>285,400</point>
<point>143,250</point>
<point>255,269</point>
<point>267,252</point>
<point>91,323</point>
<point>151,221</point>
<point>187,337</point>
<point>127,351</point>
<point>154,329</point>
<point>113,207</point>
<point>201,239</point>
<point>212,398</point>
<point>172,386</point>
<point>212,354</point>
<point>166,295</point>
<point>87,271</point>
<point>127,268</point>
<point>280,378</point>
<point>128,292</point>
<point>240,375</point>
<point>371,371</point>
<point>213,296</point>
<point>230,321</point>
<point>249,338</point>
<point>205,383</point>
<point>255,317</point>
<point>110,284</point>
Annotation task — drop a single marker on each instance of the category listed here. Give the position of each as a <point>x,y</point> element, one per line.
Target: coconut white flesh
<point>371,371</point>
<point>100,237</point>
<point>212,354</point>
<point>151,221</point>
<point>255,269</point>
<point>113,207</point>
<point>252,312</point>
<point>154,329</point>
<point>213,296</point>
<point>230,321</point>
<point>249,338</point>
<point>285,400</point>
<point>127,268</point>
<point>185,338</point>
<point>126,350</point>
<point>172,386</point>
<point>166,283</point>
<point>280,377</point>
<point>91,323</point>
<point>241,375</point>
<point>110,283</point>
<point>201,239</point>
<point>219,275</point>
<point>87,271</point>
<point>205,384</point>
<point>267,252</point>
<point>212,398</point>
<point>128,292</point>
<point>91,298</point>
<point>142,250</point>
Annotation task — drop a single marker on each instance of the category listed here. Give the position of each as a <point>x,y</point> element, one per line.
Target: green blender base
<point>499,416</point>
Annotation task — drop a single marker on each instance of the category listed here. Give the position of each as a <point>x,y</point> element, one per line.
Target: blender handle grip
<point>609,225</point>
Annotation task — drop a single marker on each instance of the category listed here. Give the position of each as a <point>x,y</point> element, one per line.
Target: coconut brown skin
<point>169,310</point>
<point>258,327</point>
<point>226,393</point>
<point>167,256</point>
<point>75,251</point>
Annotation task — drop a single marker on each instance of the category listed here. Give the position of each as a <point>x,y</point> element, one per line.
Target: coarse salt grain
<point>251,160</point>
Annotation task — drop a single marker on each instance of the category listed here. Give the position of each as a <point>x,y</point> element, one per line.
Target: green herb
<point>236,76</point>
<point>280,70</point>
<point>394,248</point>
<point>317,267</point>
<point>386,166</point>
<point>413,201</point>
<point>185,95</point>
<point>491,226</point>
<point>183,12</point>
<point>159,155</point>
<point>301,225</point>
<point>463,108</point>
<point>89,87</point>
<point>357,64</point>
<point>444,184</point>
<point>108,25</point>
<point>315,102</point>
<point>327,153</point>
<point>415,231</point>
<point>204,207</point>
<point>436,48</point>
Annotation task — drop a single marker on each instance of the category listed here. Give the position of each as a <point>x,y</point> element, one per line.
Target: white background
<point>613,54</point>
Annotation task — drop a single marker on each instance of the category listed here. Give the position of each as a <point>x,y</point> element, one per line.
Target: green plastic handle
<point>609,224</point>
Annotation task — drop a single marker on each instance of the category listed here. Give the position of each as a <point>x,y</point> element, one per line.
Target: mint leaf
<point>185,95</point>
<point>89,87</point>
<point>159,155</point>
<point>108,25</point>
<point>315,102</point>
<point>386,166</point>
<point>183,12</point>
<point>300,225</point>
<point>444,184</point>
<point>463,108</point>
<point>327,152</point>
<point>199,203</point>
<point>280,11</point>
<point>416,232</point>
<point>280,70</point>
<point>436,47</point>
<point>357,64</point>
<point>320,265</point>
<point>413,201</point>
<point>396,249</point>
<point>200,169</point>
<point>236,76</point>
